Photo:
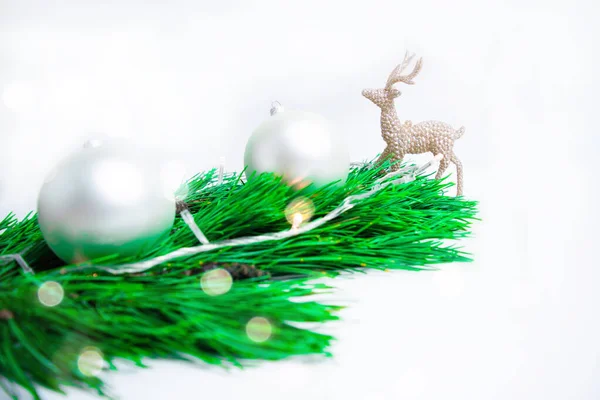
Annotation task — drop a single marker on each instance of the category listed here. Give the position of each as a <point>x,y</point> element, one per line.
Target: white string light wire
<point>188,218</point>
<point>221,171</point>
<point>19,260</point>
<point>407,175</point>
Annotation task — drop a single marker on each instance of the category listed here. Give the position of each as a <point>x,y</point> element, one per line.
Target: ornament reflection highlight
<point>118,181</point>
<point>216,282</point>
<point>50,293</point>
<point>90,361</point>
<point>259,329</point>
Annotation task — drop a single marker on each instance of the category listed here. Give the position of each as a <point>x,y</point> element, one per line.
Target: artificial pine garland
<point>163,312</point>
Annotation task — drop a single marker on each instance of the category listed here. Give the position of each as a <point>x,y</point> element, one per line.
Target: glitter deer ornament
<point>405,138</point>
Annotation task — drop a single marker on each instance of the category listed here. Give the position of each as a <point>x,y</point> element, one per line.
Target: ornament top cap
<point>276,107</point>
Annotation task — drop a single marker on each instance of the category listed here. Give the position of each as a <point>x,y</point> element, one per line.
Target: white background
<point>196,77</point>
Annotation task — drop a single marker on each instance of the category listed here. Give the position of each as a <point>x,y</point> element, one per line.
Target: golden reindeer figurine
<point>436,137</point>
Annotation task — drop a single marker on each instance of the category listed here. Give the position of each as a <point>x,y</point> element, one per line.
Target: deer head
<point>384,97</point>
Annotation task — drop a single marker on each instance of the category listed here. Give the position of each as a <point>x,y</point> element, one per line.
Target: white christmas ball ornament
<point>104,200</point>
<point>301,146</point>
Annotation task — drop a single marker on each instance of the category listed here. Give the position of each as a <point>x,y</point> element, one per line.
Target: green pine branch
<point>163,313</point>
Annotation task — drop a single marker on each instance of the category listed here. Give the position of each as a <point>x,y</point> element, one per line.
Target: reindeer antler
<point>396,76</point>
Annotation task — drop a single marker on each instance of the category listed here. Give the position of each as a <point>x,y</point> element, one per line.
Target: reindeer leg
<point>444,162</point>
<point>397,160</point>
<point>459,173</point>
<point>384,156</point>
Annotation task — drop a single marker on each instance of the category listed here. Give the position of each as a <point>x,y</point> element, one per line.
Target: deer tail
<point>459,132</point>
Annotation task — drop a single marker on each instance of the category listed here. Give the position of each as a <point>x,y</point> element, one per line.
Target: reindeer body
<point>405,138</point>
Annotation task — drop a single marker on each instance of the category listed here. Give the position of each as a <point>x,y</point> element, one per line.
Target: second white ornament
<point>301,146</point>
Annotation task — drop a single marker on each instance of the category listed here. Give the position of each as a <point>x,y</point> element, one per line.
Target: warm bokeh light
<point>300,210</point>
<point>259,329</point>
<point>297,183</point>
<point>216,282</point>
<point>90,361</point>
<point>50,293</point>
<point>297,220</point>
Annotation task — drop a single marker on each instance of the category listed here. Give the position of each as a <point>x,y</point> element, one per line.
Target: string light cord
<point>18,258</point>
<point>188,218</point>
<point>407,174</point>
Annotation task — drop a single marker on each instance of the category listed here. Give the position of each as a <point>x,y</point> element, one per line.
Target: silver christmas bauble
<point>104,200</point>
<point>301,146</point>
